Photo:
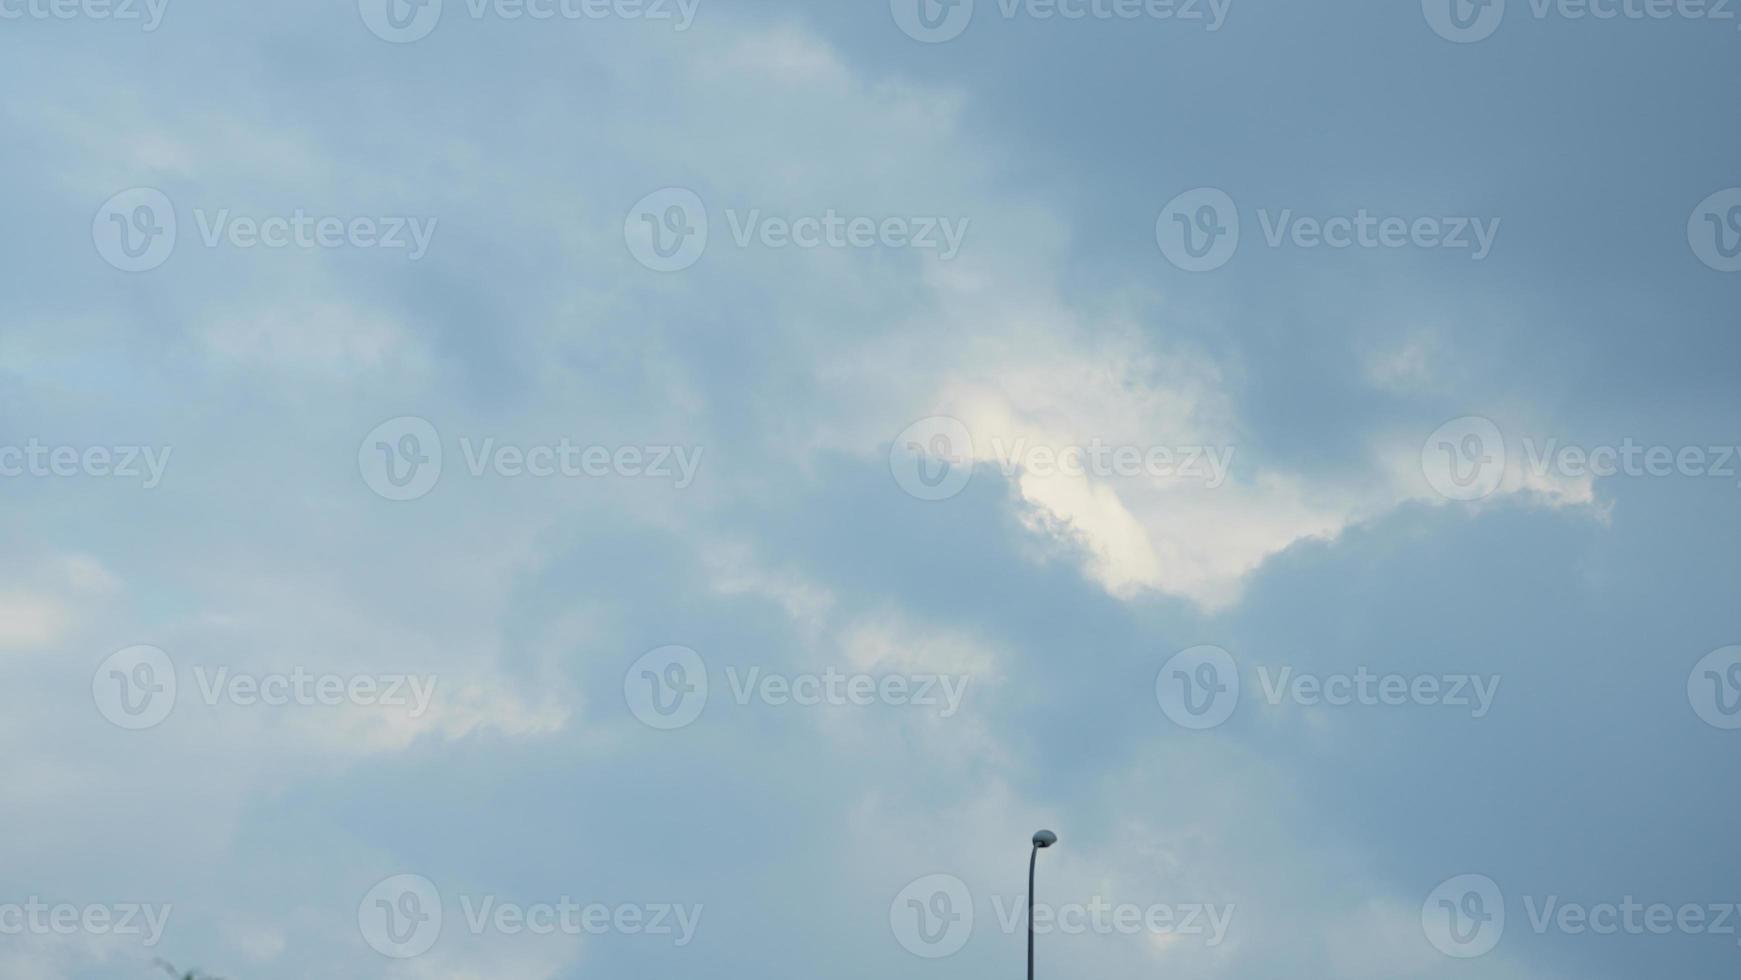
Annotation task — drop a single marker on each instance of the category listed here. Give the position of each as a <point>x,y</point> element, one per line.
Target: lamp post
<point>1042,838</point>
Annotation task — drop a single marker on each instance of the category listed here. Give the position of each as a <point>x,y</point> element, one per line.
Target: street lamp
<point>1042,838</point>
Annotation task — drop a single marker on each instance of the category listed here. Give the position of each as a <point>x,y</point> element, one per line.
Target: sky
<point>637,488</point>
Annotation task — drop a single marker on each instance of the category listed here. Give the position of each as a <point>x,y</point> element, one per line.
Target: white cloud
<point>29,621</point>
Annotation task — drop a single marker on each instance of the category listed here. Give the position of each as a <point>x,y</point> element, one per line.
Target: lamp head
<point>1045,838</point>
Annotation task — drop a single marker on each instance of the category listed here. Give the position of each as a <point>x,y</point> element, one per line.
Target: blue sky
<point>745,467</point>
